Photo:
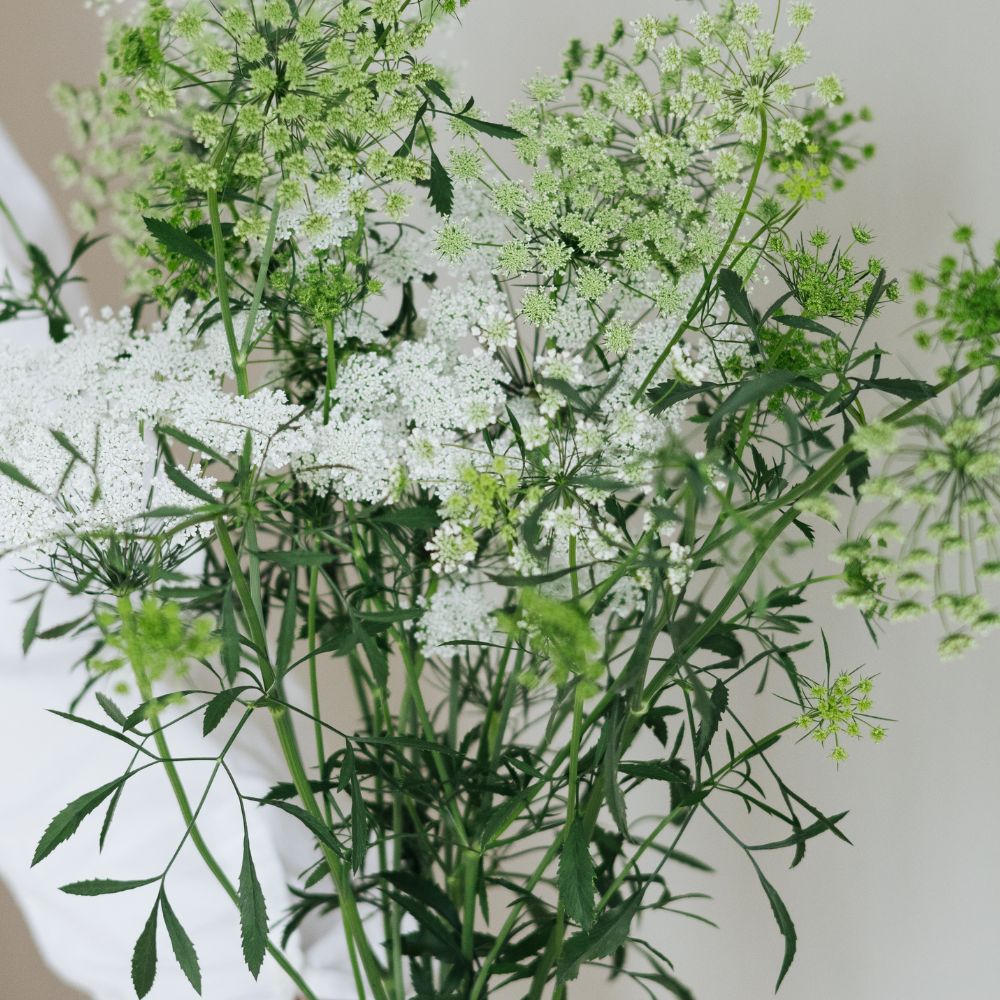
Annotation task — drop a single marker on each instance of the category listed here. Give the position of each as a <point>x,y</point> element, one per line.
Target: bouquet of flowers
<point>512,425</point>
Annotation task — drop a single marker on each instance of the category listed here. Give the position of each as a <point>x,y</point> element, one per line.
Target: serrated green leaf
<point>576,876</point>
<point>491,128</point>
<point>731,286</point>
<point>800,836</point>
<point>784,922</point>
<point>253,913</point>
<point>606,936</point>
<point>105,886</point>
<point>438,91</point>
<point>30,630</point>
<point>322,832</point>
<point>904,388</point>
<point>427,892</point>
<point>755,390</point>
<point>184,950</point>
<point>359,822</point>
<point>666,394</point>
<point>289,621</point>
<point>415,518</point>
<point>655,770</point>
<point>186,485</point>
<point>802,323</point>
<point>712,712</point>
<point>987,396</point>
<point>441,191</point>
<point>230,652</point>
<point>111,709</point>
<point>68,820</point>
<point>176,241</point>
<point>195,444</point>
<point>216,709</point>
<point>65,443</point>
<point>144,955</point>
<point>12,472</point>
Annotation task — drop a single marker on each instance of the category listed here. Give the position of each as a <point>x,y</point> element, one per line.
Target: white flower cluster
<point>456,613</point>
<point>323,217</point>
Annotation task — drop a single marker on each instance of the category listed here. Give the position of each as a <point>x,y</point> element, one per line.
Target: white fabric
<point>45,762</point>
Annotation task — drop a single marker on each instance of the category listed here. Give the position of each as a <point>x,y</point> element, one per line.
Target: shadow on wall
<point>23,976</point>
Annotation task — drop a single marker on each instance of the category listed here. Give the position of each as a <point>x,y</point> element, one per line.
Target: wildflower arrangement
<point>511,425</point>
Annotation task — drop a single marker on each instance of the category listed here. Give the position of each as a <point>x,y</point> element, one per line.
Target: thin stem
<point>145,687</point>
<point>222,291</point>
<point>331,370</point>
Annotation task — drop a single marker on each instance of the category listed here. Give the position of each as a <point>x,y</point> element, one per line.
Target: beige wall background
<point>913,909</point>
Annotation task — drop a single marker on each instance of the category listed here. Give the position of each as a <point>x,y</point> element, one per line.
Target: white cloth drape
<point>45,762</point>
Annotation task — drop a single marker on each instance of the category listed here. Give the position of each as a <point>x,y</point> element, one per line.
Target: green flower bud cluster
<point>943,485</point>
<point>965,318</point>
<point>839,710</point>
<point>156,638</point>
<point>558,633</point>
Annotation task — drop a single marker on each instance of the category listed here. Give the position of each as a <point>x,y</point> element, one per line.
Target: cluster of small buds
<point>840,709</point>
<point>950,476</point>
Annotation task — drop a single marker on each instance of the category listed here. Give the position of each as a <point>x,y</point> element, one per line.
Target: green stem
<point>222,291</point>
<point>144,684</point>
<point>353,927</point>
<point>555,943</point>
<point>331,370</point>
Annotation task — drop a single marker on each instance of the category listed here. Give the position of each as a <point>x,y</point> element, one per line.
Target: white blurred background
<point>913,909</point>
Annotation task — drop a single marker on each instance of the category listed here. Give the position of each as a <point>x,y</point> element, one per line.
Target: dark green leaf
<point>491,128</point>
<point>824,825</point>
<point>415,518</point>
<point>876,294</point>
<point>427,892</point>
<point>359,823</point>
<point>712,714</point>
<point>105,886</point>
<point>68,821</point>
<point>188,486</point>
<point>58,329</point>
<point>988,394</point>
<point>144,955</point>
<point>11,472</point>
<point>289,620</point>
<point>253,913</point>
<point>30,629</point>
<point>655,770</point>
<point>322,832</point>
<point>195,444</point>
<point>606,936</point>
<point>217,708</point>
<point>176,241</point>
<point>905,388</point>
<point>783,920</point>
<point>576,876</point>
<point>438,91</point>
<point>184,952</point>
<point>731,286</point>
<point>296,557</point>
<point>753,391</point>
<point>442,193</point>
<point>858,471</point>
<point>612,788</point>
<point>230,652</point>
<point>111,709</point>
<point>802,323</point>
<point>673,391</point>
<point>65,443</point>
